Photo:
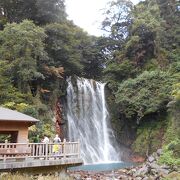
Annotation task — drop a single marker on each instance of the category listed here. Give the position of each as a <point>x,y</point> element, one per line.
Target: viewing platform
<point>34,156</point>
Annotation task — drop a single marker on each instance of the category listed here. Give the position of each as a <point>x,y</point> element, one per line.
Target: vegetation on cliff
<point>142,71</point>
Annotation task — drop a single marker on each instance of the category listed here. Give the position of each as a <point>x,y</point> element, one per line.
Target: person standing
<point>46,139</point>
<point>46,148</point>
<point>57,139</point>
<point>36,140</point>
<point>56,146</point>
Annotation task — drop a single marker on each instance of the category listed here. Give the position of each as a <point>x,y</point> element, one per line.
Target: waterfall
<point>88,121</point>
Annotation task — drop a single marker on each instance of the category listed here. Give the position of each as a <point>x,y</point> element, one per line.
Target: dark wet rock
<point>142,171</point>
<point>151,159</point>
<point>163,172</point>
<point>154,165</point>
<point>159,152</point>
<point>165,166</point>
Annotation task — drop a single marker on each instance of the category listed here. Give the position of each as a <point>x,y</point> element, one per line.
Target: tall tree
<point>63,47</point>
<point>22,46</point>
<point>70,47</point>
<point>49,11</point>
<point>8,93</point>
<point>117,22</point>
<point>40,11</point>
<point>17,10</point>
<point>143,43</point>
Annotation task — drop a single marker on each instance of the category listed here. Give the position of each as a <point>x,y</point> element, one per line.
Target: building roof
<point>10,115</point>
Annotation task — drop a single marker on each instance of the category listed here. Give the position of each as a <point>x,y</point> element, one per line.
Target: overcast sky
<point>87,14</point>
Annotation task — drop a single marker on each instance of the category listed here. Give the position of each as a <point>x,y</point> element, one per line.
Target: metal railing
<point>39,150</point>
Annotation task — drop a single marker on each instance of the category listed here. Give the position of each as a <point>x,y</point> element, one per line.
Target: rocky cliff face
<point>137,141</point>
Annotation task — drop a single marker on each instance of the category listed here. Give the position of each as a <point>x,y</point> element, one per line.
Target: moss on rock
<point>149,137</point>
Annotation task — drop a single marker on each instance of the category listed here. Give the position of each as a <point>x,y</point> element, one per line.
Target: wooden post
<point>64,147</point>
<point>5,147</point>
<point>78,148</point>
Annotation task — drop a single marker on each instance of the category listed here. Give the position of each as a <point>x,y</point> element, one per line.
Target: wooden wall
<point>20,127</point>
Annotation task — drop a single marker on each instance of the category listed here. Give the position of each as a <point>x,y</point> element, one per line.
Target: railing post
<point>6,141</point>
<point>46,151</point>
<point>78,148</point>
<point>64,147</point>
<point>27,149</point>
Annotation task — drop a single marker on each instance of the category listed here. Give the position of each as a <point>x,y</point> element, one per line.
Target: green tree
<point>149,93</point>
<point>22,46</point>
<point>8,93</point>
<point>68,46</point>
<point>117,22</point>
<point>63,47</point>
<point>49,11</point>
<point>40,11</point>
<point>93,58</point>
<point>17,10</point>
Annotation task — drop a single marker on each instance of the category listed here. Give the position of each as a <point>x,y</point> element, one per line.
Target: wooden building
<point>18,155</point>
<point>14,125</point>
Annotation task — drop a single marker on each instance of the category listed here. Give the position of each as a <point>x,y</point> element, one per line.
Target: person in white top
<point>56,146</point>
<point>57,139</point>
<point>46,139</point>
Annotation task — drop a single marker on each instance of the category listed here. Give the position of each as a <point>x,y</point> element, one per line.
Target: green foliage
<point>19,107</point>
<point>9,94</point>
<point>169,11</point>
<point>171,155</point>
<point>173,108</point>
<point>120,71</point>
<point>171,147</point>
<point>93,58</point>
<point>4,137</point>
<point>149,137</point>
<point>117,20</point>
<point>176,93</point>
<point>40,11</point>
<point>148,93</point>
<point>31,111</point>
<point>147,14</point>
<point>70,47</point>
<point>24,53</point>
<point>134,40</point>
<point>151,64</point>
<point>49,11</point>
<point>62,46</point>
<point>48,130</point>
<point>17,10</point>
<point>170,133</point>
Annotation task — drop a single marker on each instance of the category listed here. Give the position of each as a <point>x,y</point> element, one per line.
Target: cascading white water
<point>88,120</point>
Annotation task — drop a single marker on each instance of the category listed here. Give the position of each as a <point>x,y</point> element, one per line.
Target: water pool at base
<point>102,166</point>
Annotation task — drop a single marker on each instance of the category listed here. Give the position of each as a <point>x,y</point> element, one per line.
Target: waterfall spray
<point>88,120</point>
